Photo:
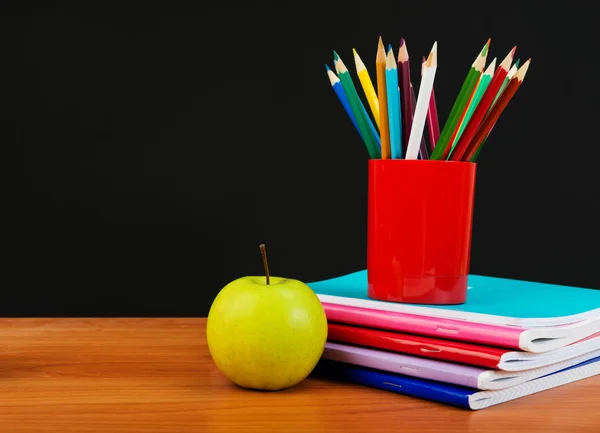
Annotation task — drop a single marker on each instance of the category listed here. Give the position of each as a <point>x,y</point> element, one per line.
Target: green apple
<point>266,333</point>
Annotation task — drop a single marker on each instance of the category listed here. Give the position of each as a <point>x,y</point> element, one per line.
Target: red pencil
<point>433,123</point>
<point>482,108</point>
<point>496,111</point>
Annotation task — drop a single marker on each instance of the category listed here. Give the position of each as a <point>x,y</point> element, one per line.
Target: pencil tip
<point>327,67</point>
<point>432,59</point>
<point>523,70</point>
<point>518,62</point>
<point>389,47</point>
<point>491,66</point>
<point>505,64</point>
<point>485,48</point>
<point>402,52</point>
<point>354,52</point>
<point>335,55</point>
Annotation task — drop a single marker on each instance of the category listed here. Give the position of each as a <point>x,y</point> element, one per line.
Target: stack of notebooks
<point>509,340</point>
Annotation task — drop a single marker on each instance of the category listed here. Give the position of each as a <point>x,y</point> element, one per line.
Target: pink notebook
<point>536,340</point>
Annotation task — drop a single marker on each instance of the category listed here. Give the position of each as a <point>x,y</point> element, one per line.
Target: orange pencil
<point>384,128</point>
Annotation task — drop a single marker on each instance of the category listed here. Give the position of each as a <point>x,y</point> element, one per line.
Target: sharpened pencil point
<point>512,52</point>
<point>518,62</point>
<point>360,66</point>
<point>432,59</point>
<point>327,67</point>
<point>520,75</point>
<point>479,61</point>
<point>403,52</point>
<point>491,67</point>
<point>389,47</point>
<point>390,62</point>
<point>508,60</point>
<point>486,47</point>
<point>333,78</point>
<point>335,55</point>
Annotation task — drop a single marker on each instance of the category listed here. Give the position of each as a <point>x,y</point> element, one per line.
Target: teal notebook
<point>489,300</point>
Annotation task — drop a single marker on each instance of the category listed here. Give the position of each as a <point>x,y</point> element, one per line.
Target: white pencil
<point>416,131</point>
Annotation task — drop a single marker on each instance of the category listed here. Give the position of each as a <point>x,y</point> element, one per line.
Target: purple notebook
<point>447,372</point>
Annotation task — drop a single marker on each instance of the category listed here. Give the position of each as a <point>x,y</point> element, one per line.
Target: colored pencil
<point>339,91</point>
<point>367,86</point>
<point>511,73</point>
<point>455,136</point>
<point>482,108</point>
<point>406,105</point>
<point>480,89</point>
<point>433,125</point>
<point>424,150</point>
<point>358,108</point>
<point>384,125</point>
<point>474,157</point>
<point>497,110</point>
<point>393,97</point>
<point>442,146</point>
<point>423,99</point>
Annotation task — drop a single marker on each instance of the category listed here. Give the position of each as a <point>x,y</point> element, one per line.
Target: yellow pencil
<point>382,119</point>
<point>367,85</point>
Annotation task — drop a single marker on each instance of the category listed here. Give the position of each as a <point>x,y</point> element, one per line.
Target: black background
<point>160,147</point>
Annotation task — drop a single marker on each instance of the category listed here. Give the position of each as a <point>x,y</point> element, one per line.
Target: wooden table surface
<point>156,375</point>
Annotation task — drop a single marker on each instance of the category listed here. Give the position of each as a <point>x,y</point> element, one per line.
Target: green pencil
<point>442,147</point>
<point>479,91</point>
<point>510,74</point>
<point>357,107</point>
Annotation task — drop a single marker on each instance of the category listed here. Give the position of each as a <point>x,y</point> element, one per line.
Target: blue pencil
<point>339,91</point>
<point>393,98</point>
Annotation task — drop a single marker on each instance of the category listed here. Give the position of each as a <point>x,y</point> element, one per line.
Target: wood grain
<point>156,375</point>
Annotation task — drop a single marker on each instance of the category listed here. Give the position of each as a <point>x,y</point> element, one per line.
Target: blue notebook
<point>489,300</point>
<point>453,395</point>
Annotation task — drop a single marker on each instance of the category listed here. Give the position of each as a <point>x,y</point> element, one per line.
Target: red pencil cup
<point>420,215</point>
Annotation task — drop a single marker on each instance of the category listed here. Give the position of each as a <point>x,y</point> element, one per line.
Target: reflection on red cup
<point>420,215</point>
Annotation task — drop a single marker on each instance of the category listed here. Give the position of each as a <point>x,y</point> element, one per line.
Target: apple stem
<point>263,252</point>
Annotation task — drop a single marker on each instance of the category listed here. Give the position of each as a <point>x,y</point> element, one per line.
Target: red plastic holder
<point>420,215</point>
